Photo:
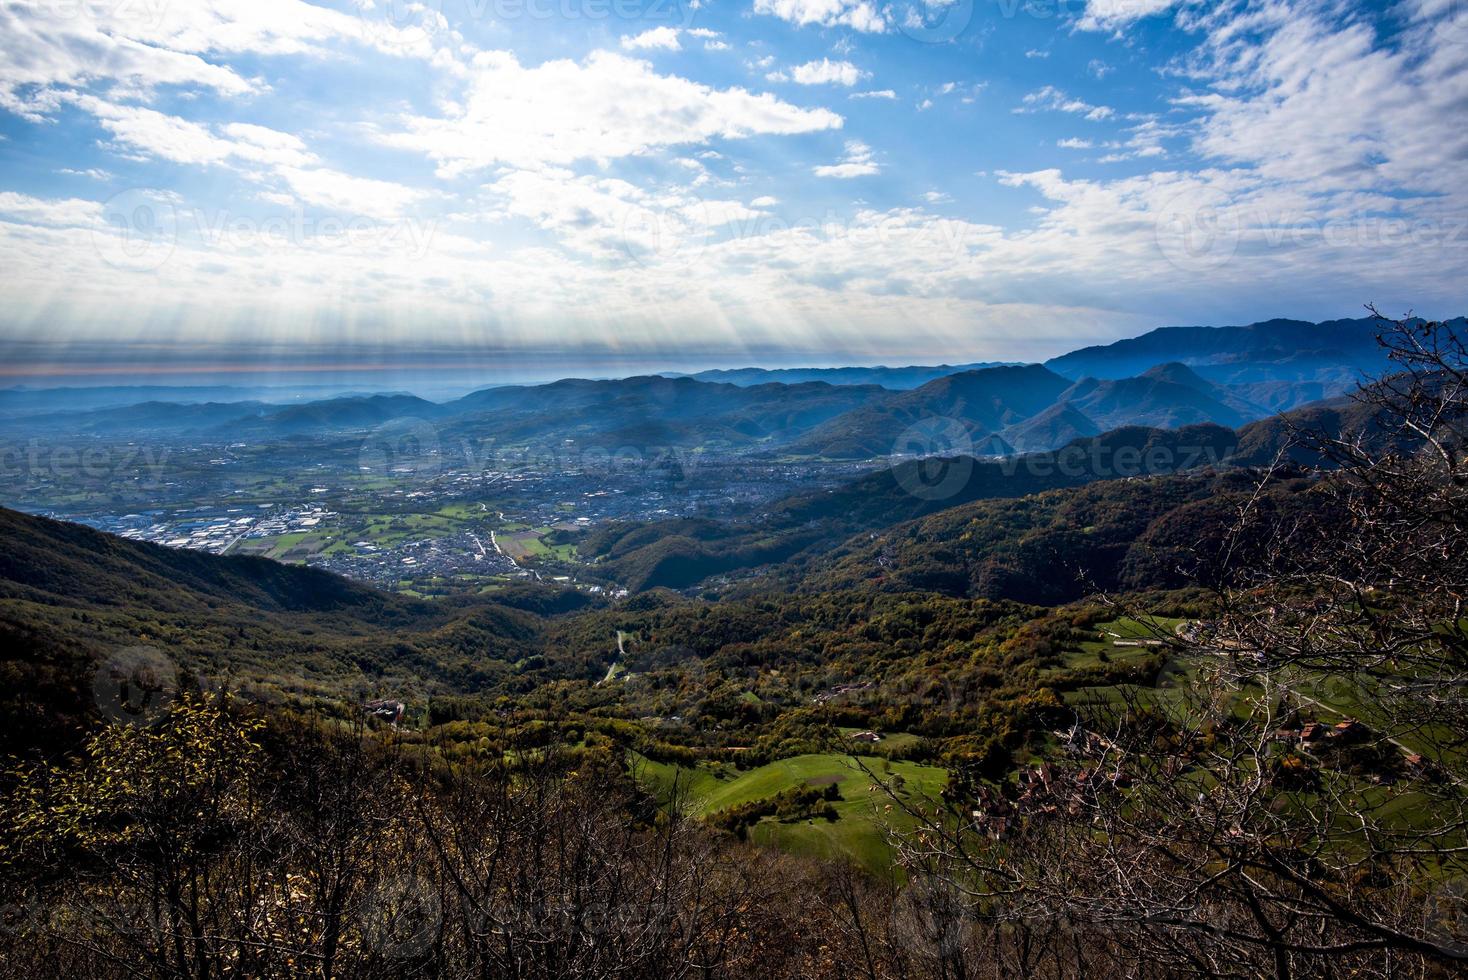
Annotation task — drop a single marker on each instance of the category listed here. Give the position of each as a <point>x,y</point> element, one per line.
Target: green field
<point>863,810</point>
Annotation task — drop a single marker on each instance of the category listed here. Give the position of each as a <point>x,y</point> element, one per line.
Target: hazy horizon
<point>434,373</point>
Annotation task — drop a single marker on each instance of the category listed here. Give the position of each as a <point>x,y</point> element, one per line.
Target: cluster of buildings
<point>832,693</point>
<point>1044,790</point>
<point>212,529</point>
<point>446,556</point>
<point>1346,732</point>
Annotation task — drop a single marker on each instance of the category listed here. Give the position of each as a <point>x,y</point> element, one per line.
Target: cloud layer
<point>292,170</point>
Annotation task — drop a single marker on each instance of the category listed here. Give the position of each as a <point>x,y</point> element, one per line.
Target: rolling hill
<point>72,599</point>
<point>336,414</point>
<point>1060,545</point>
<point>681,553</point>
<point>651,411</point>
<point>1149,400</point>
<point>982,402</point>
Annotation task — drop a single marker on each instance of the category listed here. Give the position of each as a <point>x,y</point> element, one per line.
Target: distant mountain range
<point>1168,378</point>
<point>808,537</point>
<point>1336,351</point>
<point>895,378</point>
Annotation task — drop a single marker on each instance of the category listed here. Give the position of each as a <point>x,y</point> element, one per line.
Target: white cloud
<point>827,72</point>
<point>138,47</point>
<point>1054,99</point>
<point>347,194</point>
<point>156,134</point>
<point>857,162</point>
<point>1323,152</point>
<point>1036,53</point>
<point>604,108</point>
<point>95,173</point>
<point>1331,156</point>
<point>859,15</point>
<point>1317,100</point>
<point>262,153</point>
<point>260,144</point>
<point>57,213</point>
<point>659,38</point>
<point>1110,15</point>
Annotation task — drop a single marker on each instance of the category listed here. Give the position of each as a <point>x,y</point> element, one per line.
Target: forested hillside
<point>681,553</point>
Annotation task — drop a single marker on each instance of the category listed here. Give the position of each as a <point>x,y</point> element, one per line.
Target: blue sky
<point>697,182</point>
